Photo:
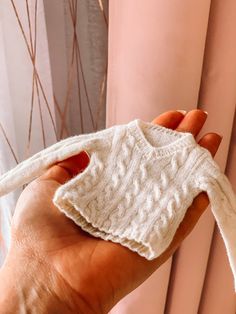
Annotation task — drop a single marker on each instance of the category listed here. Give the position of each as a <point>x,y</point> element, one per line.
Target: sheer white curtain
<point>53,62</point>
<point>7,125</point>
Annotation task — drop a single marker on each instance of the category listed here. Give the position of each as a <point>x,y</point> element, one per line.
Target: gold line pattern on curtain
<point>48,113</point>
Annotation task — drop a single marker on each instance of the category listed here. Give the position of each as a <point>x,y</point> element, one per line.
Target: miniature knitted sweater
<point>139,183</point>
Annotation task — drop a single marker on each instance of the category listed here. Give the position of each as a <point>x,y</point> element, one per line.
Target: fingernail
<point>182,111</point>
<point>205,112</point>
<point>85,151</point>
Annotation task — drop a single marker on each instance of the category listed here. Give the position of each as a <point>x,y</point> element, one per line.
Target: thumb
<point>67,169</point>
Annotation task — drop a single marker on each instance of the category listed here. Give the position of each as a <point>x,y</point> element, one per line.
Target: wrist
<point>28,286</point>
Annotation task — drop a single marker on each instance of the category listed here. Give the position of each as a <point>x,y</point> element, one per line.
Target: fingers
<point>211,141</point>
<point>169,119</point>
<point>192,122</point>
<point>67,169</point>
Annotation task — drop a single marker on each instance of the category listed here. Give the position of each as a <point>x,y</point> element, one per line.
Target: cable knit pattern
<point>139,183</point>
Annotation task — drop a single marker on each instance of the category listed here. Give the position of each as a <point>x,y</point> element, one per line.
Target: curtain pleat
<point>202,279</point>
<point>219,80</point>
<point>7,202</point>
<point>150,48</point>
<point>77,39</point>
<point>150,297</point>
<point>219,93</point>
<point>16,80</point>
<point>155,63</point>
<point>218,273</point>
<point>155,57</point>
<point>44,96</point>
<point>27,97</point>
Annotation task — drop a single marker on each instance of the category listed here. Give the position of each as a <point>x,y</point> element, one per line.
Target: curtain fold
<point>218,89</point>
<point>155,57</point>
<point>37,104</point>
<point>218,272</point>
<point>77,39</point>
<point>168,56</point>
<point>7,203</point>
<point>157,35</point>
<point>204,278</point>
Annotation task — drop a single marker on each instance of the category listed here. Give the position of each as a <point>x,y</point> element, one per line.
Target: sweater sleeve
<point>223,205</point>
<point>36,165</point>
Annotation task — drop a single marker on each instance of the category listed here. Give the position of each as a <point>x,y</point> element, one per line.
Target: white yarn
<point>139,183</point>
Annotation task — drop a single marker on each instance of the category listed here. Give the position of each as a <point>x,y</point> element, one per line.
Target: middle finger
<point>192,122</point>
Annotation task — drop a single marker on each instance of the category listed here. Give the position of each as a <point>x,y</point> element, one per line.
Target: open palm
<point>90,270</point>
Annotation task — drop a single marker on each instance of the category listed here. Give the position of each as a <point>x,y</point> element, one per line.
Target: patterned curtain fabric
<point>53,67</point>
<point>62,73</point>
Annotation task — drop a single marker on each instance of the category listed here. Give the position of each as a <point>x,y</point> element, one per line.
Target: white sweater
<point>139,183</point>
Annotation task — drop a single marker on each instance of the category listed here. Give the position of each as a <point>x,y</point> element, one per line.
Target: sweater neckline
<point>183,139</point>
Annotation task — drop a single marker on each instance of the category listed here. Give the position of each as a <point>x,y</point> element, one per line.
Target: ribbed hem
<point>135,240</point>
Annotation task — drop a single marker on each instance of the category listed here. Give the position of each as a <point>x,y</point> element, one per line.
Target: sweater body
<point>134,198</point>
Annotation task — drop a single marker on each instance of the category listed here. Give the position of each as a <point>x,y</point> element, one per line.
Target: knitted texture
<point>139,183</point>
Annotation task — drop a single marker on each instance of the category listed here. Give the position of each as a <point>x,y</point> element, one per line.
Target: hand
<point>67,268</point>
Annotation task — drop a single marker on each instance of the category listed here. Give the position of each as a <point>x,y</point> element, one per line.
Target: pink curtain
<point>178,55</point>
